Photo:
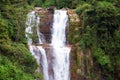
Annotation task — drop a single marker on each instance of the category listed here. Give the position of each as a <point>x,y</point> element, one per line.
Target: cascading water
<point>37,51</point>
<point>60,51</point>
<point>55,62</point>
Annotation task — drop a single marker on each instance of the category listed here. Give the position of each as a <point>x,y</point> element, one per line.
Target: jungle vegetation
<point>100,33</point>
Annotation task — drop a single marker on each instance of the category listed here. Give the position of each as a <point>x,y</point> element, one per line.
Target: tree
<point>101,21</point>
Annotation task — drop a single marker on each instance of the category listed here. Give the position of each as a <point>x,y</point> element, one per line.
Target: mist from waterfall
<point>54,59</point>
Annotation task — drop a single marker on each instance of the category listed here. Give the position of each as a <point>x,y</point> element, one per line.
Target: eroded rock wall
<point>81,63</point>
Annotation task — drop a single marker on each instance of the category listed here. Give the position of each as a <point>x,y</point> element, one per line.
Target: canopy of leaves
<point>101,25</point>
<point>16,62</point>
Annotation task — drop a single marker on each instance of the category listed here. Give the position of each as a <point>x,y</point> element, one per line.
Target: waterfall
<point>59,26</point>
<point>33,20</point>
<point>60,51</point>
<point>54,58</point>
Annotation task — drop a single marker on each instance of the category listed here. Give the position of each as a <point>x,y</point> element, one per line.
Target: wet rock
<point>51,10</point>
<point>46,22</point>
<point>37,9</point>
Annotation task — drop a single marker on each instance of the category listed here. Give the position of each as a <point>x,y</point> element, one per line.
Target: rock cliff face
<point>80,62</point>
<point>46,21</point>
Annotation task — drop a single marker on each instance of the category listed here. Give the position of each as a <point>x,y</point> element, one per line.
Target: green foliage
<point>3,31</point>
<point>56,3</point>
<point>83,8</point>
<point>16,62</point>
<point>14,13</point>
<point>74,34</point>
<point>87,40</point>
<point>21,59</point>
<point>8,71</point>
<point>37,3</point>
<point>22,56</point>
<point>101,57</point>
<point>49,3</point>
<point>102,36</point>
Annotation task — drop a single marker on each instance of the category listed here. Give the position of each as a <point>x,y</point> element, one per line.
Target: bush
<point>102,36</point>
<point>19,57</point>
<point>82,9</point>
<point>21,54</point>
<point>16,62</point>
<point>8,71</point>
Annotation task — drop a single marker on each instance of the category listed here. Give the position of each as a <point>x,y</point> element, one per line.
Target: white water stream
<point>57,67</point>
